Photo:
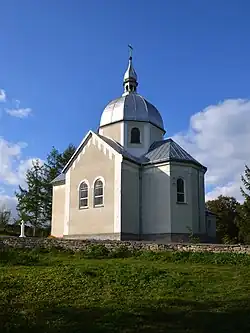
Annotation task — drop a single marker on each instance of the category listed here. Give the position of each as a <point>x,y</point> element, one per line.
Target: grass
<point>118,291</point>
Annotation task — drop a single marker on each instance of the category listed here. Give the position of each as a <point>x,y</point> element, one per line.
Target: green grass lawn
<point>176,293</point>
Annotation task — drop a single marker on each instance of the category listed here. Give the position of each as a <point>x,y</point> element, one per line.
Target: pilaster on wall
<point>117,193</point>
<point>67,203</point>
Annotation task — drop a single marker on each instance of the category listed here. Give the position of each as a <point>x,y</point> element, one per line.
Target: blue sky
<point>65,60</point>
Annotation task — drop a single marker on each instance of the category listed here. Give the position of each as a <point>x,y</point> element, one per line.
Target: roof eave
<point>139,121</point>
<point>58,182</point>
<point>175,160</point>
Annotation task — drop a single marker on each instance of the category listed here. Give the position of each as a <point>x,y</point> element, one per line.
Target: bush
<point>97,251</point>
<point>18,257</point>
<point>122,252</point>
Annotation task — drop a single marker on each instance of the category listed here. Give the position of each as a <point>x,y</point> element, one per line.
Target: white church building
<point>126,182</point>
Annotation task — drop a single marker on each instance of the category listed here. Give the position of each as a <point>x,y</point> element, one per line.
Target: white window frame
<point>103,195</point>
<point>182,193</point>
<point>79,194</point>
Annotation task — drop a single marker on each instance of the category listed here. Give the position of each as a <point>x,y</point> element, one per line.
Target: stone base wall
<point>164,238</point>
<point>78,245</point>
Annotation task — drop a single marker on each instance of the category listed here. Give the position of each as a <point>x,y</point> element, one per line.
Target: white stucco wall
<point>156,212</point>
<point>181,214</point>
<point>58,211</point>
<point>155,134</point>
<point>130,198</point>
<point>95,160</point>
<point>132,148</point>
<point>211,225</point>
<point>202,202</point>
<point>190,214</point>
<point>160,211</point>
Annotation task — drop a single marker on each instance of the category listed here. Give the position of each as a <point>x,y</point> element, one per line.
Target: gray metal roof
<point>167,150</point>
<point>131,107</point>
<point>208,212</point>
<point>60,178</point>
<point>159,152</point>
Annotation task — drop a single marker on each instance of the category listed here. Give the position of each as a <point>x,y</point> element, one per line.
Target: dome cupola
<point>131,106</point>
<point>131,120</point>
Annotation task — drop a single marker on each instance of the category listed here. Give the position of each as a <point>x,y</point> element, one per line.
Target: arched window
<point>98,193</point>
<point>180,190</point>
<point>83,195</point>
<point>135,135</point>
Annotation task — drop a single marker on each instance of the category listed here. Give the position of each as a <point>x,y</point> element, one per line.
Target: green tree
<point>227,215</point>
<point>244,211</point>
<point>35,201</point>
<point>5,217</point>
<point>31,199</point>
<point>53,167</point>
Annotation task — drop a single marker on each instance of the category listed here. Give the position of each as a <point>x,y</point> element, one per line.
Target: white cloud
<point>8,202</point>
<point>12,167</point>
<point>9,155</point>
<point>19,112</point>
<point>2,96</point>
<point>12,171</point>
<point>219,138</point>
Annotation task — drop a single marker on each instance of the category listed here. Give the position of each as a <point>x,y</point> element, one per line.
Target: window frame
<point>182,193</point>
<point>138,135</point>
<point>84,198</point>
<point>98,196</point>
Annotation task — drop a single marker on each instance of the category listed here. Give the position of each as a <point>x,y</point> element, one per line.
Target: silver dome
<point>131,106</point>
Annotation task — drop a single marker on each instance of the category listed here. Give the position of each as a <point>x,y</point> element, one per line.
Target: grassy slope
<point>66,293</point>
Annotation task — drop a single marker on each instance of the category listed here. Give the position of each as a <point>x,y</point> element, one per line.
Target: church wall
<point>195,200</point>
<point>210,222</point>
<point>202,202</point>
<point>141,148</point>
<point>155,134</point>
<point>112,131</point>
<point>130,198</point>
<point>94,161</point>
<point>58,205</point>
<point>198,201</point>
<point>156,210</point>
<point>191,213</point>
<point>181,213</point>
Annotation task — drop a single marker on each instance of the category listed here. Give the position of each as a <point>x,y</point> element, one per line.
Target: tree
<point>5,217</point>
<point>30,205</point>
<point>227,215</point>
<point>53,167</point>
<point>244,211</point>
<point>35,201</point>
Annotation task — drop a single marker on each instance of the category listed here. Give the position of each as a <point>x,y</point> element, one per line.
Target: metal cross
<point>130,50</point>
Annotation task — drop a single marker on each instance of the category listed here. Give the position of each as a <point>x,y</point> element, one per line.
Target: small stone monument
<point>22,229</point>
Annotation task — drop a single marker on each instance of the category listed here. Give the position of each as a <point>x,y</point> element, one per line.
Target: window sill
<point>181,203</point>
<point>98,206</point>
<point>81,208</point>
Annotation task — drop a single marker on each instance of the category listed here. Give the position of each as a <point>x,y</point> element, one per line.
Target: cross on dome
<point>130,78</point>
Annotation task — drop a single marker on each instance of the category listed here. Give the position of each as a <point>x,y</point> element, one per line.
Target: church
<point>127,182</point>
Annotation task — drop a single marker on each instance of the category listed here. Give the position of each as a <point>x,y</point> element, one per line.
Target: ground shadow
<point>173,317</point>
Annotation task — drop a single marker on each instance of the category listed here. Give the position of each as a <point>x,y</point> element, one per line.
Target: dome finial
<point>130,77</point>
<point>130,51</point>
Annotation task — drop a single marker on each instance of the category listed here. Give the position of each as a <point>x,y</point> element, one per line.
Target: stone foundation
<point>78,245</point>
<point>164,238</point>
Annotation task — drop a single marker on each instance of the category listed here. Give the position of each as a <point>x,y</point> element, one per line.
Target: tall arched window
<point>98,193</point>
<point>83,195</point>
<point>135,135</point>
<point>180,190</point>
